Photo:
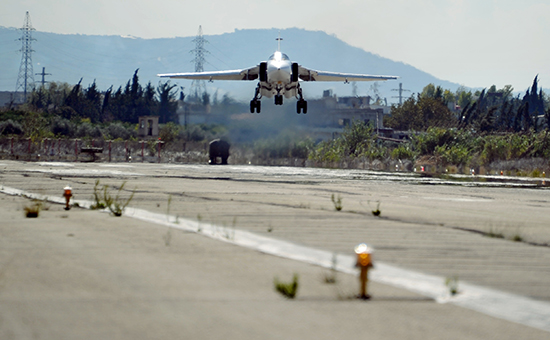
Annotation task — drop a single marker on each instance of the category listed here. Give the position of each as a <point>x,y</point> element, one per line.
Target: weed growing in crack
<point>168,207</point>
<point>494,233</point>
<point>33,210</point>
<point>104,199</point>
<point>377,212</point>
<point>517,238</point>
<point>337,201</point>
<point>199,219</point>
<point>330,278</point>
<point>288,290</point>
<point>452,285</point>
<point>227,232</point>
<point>98,202</point>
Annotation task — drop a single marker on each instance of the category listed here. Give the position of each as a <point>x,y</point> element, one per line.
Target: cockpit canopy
<point>279,56</point>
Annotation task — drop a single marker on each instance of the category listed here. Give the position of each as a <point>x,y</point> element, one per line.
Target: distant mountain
<point>112,60</point>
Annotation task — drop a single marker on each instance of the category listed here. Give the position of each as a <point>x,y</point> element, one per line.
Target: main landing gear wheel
<point>301,106</point>
<point>255,105</point>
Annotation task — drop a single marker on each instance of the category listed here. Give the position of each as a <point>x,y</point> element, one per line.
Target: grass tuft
<point>104,199</point>
<point>337,201</point>
<point>33,210</point>
<point>452,285</point>
<point>288,290</point>
<point>330,278</point>
<point>377,212</point>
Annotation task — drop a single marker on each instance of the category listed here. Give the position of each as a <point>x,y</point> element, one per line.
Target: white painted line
<point>492,302</point>
<point>85,172</point>
<point>458,199</point>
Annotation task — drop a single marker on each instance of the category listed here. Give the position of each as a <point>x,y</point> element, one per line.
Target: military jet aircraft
<point>278,77</point>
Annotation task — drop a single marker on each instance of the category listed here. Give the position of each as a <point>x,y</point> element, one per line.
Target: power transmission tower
<point>198,88</point>
<point>401,90</point>
<point>25,79</point>
<point>43,74</point>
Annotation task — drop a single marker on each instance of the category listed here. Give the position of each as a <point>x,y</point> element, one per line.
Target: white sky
<point>476,43</point>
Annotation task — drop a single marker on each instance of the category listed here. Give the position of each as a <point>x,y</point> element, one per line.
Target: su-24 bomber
<point>278,77</point>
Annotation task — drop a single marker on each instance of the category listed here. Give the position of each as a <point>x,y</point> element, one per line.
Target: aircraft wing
<point>313,75</point>
<point>244,74</point>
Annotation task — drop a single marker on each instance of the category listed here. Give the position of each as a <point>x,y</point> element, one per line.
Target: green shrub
<point>9,127</point>
<point>454,154</point>
<point>169,132</point>
<point>403,151</point>
<point>287,144</point>
<point>86,129</point>
<point>62,127</point>
<point>119,131</point>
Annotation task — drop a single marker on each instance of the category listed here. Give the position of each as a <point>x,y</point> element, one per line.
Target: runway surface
<point>428,225</point>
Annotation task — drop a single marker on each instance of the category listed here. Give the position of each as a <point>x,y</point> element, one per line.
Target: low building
<point>148,126</point>
<point>328,116</point>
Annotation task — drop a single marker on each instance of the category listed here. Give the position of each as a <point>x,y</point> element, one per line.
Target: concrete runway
<point>112,264</point>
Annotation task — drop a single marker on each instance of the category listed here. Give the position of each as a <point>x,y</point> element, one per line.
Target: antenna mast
<point>197,86</point>
<point>25,79</point>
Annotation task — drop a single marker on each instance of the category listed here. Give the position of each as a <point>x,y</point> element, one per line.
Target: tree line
<point>486,111</point>
<point>125,104</point>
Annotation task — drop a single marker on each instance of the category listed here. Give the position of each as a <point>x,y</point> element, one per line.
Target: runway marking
<point>457,199</point>
<point>59,164</point>
<point>84,172</point>
<point>511,307</point>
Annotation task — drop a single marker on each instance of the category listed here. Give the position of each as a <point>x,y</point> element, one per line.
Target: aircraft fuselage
<point>278,80</point>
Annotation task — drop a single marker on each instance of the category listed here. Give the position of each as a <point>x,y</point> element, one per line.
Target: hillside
<point>112,60</point>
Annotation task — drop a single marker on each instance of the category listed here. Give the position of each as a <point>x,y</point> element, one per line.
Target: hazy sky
<point>476,43</point>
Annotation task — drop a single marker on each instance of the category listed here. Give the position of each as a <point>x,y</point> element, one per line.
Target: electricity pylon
<point>198,88</point>
<point>25,79</point>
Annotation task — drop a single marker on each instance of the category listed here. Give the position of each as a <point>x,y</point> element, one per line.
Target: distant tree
<point>132,96</point>
<point>420,113</point>
<point>91,103</point>
<point>405,117</point>
<point>205,99</point>
<point>149,104</point>
<point>74,102</point>
<point>463,97</point>
<point>448,97</point>
<point>105,114</point>
<point>167,102</point>
<point>534,101</point>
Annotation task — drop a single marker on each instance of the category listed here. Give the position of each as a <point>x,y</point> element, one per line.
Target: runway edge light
<point>364,262</point>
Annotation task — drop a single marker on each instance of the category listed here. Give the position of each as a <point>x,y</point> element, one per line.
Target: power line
<point>25,79</point>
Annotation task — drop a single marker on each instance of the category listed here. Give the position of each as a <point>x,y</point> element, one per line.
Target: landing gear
<point>255,105</point>
<point>279,99</point>
<point>301,106</point>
